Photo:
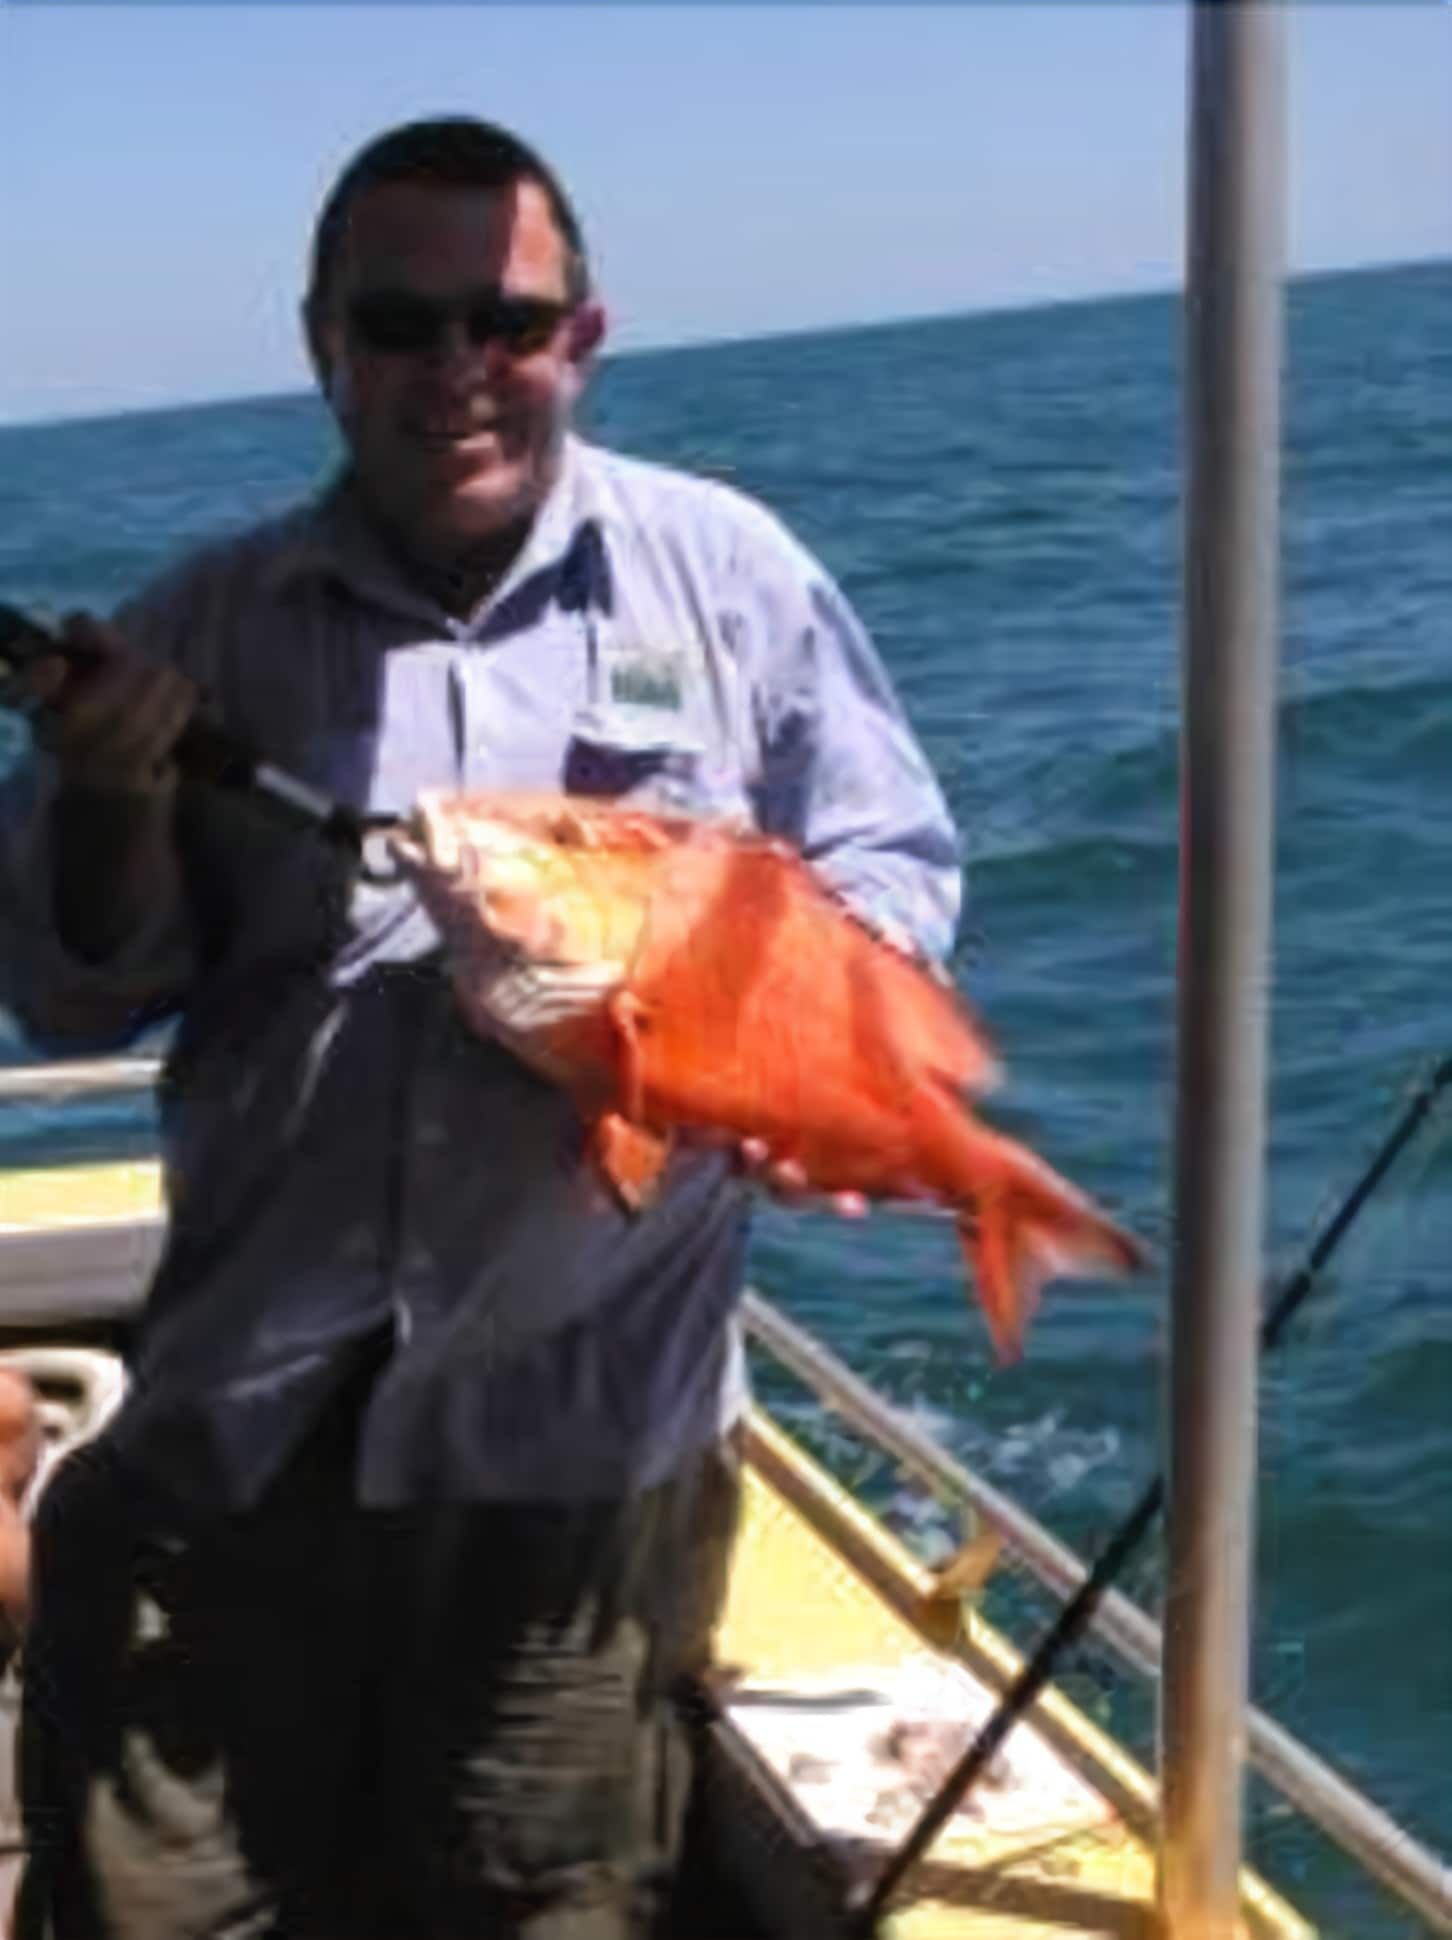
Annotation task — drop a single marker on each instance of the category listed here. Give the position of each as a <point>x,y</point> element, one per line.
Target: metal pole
<point>1232,346</point>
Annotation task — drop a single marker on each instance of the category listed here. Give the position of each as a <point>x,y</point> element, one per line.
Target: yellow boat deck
<point>822,1597</point>
<point>37,1199</point>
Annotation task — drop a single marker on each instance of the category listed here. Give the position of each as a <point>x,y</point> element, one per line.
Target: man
<point>363,1616</point>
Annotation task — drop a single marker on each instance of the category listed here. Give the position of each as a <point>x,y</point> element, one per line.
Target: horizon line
<point>1156,292</point>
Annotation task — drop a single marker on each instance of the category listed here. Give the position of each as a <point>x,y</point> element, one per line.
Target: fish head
<point>536,873</point>
<point>540,913</point>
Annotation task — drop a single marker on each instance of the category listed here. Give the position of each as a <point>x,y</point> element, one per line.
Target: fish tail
<point>1025,1226</point>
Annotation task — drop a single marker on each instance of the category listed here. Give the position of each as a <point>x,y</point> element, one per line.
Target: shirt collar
<point>335,539</point>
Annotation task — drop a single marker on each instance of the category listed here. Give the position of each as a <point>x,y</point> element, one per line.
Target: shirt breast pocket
<point>651,767</point>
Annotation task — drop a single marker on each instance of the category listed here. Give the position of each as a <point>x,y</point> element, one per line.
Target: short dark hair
<point>451,152</point>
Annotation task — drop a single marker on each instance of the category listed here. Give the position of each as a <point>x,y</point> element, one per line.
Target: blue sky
<point>740,169</point>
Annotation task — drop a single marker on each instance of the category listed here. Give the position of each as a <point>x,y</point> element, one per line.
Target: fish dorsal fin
<point>578,822</point>
<point>630,1157</point>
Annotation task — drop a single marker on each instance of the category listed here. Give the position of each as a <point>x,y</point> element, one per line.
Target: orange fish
<point>681,977</point>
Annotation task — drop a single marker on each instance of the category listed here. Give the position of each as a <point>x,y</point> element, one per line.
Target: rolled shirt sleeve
<point>843,774</point>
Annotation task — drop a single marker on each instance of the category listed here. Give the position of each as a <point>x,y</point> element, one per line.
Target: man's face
<point>454,440</point>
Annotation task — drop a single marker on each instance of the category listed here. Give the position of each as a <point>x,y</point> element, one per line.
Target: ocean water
<point>998,495</point>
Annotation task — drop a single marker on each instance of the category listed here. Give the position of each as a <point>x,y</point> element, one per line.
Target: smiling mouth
<point>451,437</point>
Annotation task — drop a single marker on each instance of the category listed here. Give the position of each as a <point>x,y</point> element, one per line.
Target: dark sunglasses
<point>402,323</point>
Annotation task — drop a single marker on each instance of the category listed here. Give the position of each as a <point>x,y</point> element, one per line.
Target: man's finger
<point>787,1176</point>
<point>119,724</point>
<point>141,750</point>
<point>95,717</point>
<point>88,635</point>
<point>37,683</point>
<point>790,1184</point>
<point>786,1179</point>
<point>156,710</point>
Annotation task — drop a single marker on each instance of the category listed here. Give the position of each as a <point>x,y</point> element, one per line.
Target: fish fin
<point>631,1158</point>
<point>625,1011</point>
<point>1021,1224</point>
<point>1008,1285</point>
<point>1028,1226</point>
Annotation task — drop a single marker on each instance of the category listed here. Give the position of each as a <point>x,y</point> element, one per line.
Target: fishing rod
<point>1074,1619</point>
<point>204,751</point>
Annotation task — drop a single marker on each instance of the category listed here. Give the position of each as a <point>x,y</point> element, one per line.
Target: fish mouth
<point>498,872</point>
<point>493,851</point>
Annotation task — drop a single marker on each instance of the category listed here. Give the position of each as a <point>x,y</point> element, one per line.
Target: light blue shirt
<point>347,1168</point>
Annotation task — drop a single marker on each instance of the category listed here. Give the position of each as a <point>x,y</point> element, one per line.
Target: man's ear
<point>315,337</point>
<point>587,332</point>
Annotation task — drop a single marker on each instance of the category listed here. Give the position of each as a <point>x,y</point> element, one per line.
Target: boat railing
<point>1350,1820</point>
<point>76,1078</point>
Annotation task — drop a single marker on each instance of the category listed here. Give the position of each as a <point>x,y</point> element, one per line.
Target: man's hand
<point>785,1180</point>
<point>111,719</point>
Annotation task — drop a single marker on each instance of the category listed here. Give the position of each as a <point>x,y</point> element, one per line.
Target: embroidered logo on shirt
<point>647,680</point>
